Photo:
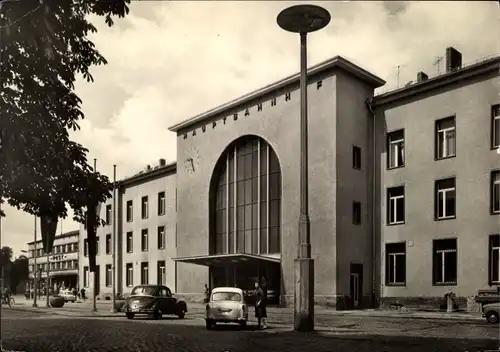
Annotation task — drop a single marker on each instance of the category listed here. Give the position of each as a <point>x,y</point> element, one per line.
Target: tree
<point>44,47</point>
<point>19,272</point>
<point>5,265</point>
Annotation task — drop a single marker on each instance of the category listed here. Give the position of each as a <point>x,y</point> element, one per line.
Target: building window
<point>245,199</point>
<point>445,199</point>
<point>130,242</point>
<point>356,157</point>
<point>445,138</point>
<point>108,214</point>
<point>130,275</point>
<point>445,262</point>
<point>396,205</point>
<point>356,213</point>
<point>161,203</point>
<point>495,126</point>
<point>162,274</point>
<point>395,263</point>
<point>130,210</point>
<point>494,260</point>
<point>144,273</point>
<point>108,243</point>
<point>161,237</point>
<point>85,247</point>
<point>396,149</point>
<point>85,276</point>
<point>495,192</point>
<point>144,207</point>
<point>97,245</point>
<point>144,240</point>
<point>109,277</point>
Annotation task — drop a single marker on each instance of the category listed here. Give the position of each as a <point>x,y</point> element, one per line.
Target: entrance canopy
<point>228,259</point>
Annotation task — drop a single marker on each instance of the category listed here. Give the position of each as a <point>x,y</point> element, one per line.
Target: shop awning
<point>228,259</point>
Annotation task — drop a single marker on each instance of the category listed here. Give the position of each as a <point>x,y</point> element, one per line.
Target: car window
<point>226,296</point>
<point>169,293</point>
<point>145,291</point>
<point>163,292</point>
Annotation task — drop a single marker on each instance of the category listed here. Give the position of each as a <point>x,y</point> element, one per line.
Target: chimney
<point>422,76</point>
<point>453,59</point>
<point>163,162</point>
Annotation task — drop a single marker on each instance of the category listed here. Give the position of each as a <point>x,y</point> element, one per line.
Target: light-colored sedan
<point>226,305</point>
<point>492,312</point>
<point>68,296</point>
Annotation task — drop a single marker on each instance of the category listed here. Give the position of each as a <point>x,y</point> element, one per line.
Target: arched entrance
<point>245,218</point>
<point>245,200</point>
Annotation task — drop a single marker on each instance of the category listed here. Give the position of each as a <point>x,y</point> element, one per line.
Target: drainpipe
<point>370,107</point>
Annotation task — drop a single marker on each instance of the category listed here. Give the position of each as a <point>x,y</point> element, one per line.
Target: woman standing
<point>260,306</point>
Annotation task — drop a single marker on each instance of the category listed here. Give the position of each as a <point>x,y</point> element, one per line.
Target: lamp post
<point>113,250</point>
<point>303,19</point>
<point>35,282</point>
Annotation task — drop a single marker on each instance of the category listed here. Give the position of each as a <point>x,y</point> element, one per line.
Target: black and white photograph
<point>235,176</point>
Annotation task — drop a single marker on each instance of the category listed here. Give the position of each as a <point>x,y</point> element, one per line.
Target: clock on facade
<point>192,160</point>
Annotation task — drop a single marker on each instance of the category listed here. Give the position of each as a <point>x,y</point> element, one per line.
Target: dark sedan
<point>154,300</point>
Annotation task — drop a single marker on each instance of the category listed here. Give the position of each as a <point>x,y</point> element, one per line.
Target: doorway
<point>356,285</point>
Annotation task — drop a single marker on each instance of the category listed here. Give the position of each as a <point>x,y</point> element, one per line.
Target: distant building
<point>145,239</point>
<point>61,265</point>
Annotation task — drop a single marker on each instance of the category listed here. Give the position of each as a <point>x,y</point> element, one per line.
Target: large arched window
<point>245,199</point>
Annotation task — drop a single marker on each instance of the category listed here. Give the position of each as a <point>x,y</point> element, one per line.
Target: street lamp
<point>35,282</point>
<point>303,19</point>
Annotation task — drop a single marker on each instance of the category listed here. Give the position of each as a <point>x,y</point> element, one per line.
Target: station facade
<point>404,191</point>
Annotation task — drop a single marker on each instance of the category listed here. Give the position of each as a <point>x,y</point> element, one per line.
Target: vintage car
<point>226,305</point>
<point>68,295</point>
<point>492,312</point>
<point>154,300</point>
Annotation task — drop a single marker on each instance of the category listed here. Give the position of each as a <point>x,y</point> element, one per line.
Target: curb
<point>197,313</point>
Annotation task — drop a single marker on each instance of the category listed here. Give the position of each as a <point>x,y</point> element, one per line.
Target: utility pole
<point>35,282</point>
<point>114,242</point>
<point>437,63</point>
<point>47,281</point>
<point>1,264</point>
<point>94,276</point>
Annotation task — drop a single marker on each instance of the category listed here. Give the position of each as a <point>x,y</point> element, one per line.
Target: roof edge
<point>169,168</point>
<point>481,67</point>
<point>330,64</point>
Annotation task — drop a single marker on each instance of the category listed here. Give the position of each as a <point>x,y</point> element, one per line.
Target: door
<point>356,285</point>
<point>169,301</point>
<point>162,297</point>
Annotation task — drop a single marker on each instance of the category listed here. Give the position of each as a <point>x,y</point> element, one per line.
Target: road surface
<point>28,331</point>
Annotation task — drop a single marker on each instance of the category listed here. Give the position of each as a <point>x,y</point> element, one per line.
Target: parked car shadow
<point>235,327</point>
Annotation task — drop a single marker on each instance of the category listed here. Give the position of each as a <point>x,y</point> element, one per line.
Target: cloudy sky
<point>170,60</point>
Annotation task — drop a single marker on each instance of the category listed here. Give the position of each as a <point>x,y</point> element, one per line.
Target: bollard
<point>449,302</point>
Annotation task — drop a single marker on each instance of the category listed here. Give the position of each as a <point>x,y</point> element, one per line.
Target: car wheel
<point>157,314</point>
<point>181,314</point>
<point>209,323</point>
<point>130,315</point>
<point>492,318</point>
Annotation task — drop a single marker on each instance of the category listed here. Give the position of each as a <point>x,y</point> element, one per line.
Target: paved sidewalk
<point>276,315</point>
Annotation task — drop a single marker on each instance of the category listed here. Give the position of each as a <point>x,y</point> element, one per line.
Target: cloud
<point>169,61</point>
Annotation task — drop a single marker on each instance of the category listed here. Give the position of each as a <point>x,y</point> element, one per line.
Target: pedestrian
<point>207,294</point>
<point>82,293</point>
<point>260,306</point>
